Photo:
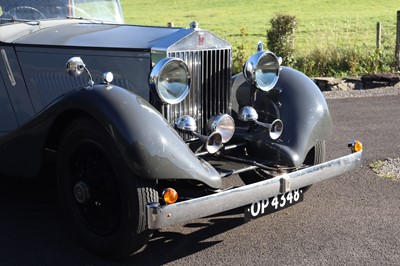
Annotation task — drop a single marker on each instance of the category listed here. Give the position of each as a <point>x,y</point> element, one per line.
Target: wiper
<point>80,18</point>
<point>28,21</point>
<point>88,19</point>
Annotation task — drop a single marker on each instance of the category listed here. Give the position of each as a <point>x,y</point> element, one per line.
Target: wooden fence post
<point>378,35</point>
<point>397,52</point>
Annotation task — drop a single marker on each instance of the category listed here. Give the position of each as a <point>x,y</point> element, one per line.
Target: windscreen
<point>103,10</point>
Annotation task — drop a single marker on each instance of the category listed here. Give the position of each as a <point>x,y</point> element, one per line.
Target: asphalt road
<point>353,219</point>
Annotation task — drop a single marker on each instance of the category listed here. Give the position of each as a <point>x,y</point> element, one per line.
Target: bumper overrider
<point>160,216</point>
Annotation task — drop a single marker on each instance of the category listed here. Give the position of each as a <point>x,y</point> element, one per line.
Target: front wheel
<point>104,199</point>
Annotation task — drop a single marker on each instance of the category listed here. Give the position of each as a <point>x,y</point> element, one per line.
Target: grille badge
<point>201,38</point>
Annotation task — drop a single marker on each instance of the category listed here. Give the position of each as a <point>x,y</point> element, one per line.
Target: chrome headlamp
<point>262,70</point>
<point>171,80</point>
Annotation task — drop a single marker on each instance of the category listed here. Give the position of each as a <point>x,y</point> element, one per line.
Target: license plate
<point>280,202</point>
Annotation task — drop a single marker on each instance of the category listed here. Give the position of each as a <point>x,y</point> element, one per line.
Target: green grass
<point>320,22</point>
<point>332,38</point>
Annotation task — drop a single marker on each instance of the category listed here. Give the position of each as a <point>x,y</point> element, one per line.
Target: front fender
<point>147,143</point>
<point>299,104</point>
<point>150,146</point>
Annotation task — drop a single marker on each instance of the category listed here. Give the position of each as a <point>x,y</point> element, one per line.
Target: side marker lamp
<point>356,146</point>
<point>170,195</point>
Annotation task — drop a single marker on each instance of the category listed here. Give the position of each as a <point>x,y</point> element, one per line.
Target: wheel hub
<point>81,192</point>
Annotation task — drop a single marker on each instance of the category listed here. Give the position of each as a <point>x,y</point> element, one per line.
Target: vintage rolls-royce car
<point>146,124</point>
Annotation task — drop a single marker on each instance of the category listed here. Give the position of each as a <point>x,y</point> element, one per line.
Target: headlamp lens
<point>170,79</point>
<point>262,70</point>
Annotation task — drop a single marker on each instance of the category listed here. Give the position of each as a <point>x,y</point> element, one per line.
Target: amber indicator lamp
<point>170,195</point>
<point>356,146</point>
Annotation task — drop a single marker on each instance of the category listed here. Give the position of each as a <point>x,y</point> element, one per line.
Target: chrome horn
<point>249,114</point>
<point>213,142</point>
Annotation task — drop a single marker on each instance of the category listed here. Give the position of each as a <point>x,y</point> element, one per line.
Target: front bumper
<point>166,215</point>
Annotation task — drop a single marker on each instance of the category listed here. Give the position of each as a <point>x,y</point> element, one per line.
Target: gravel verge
<point>362,93</point>
<point>389,168</point>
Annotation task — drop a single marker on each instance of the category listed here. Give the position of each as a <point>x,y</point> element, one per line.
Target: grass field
<point>322,24</point>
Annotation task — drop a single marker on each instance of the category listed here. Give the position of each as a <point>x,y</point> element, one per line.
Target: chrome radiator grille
<point>210,72</point>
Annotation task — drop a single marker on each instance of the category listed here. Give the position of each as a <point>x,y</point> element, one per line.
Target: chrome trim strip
<point>162,216</point>
<point>8,67</point>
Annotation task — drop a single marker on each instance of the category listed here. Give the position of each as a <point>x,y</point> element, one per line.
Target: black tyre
<point>104,199</point>
<point>315,156</point>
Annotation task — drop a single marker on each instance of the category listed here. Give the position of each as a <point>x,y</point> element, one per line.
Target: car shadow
<point>35,231</point>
